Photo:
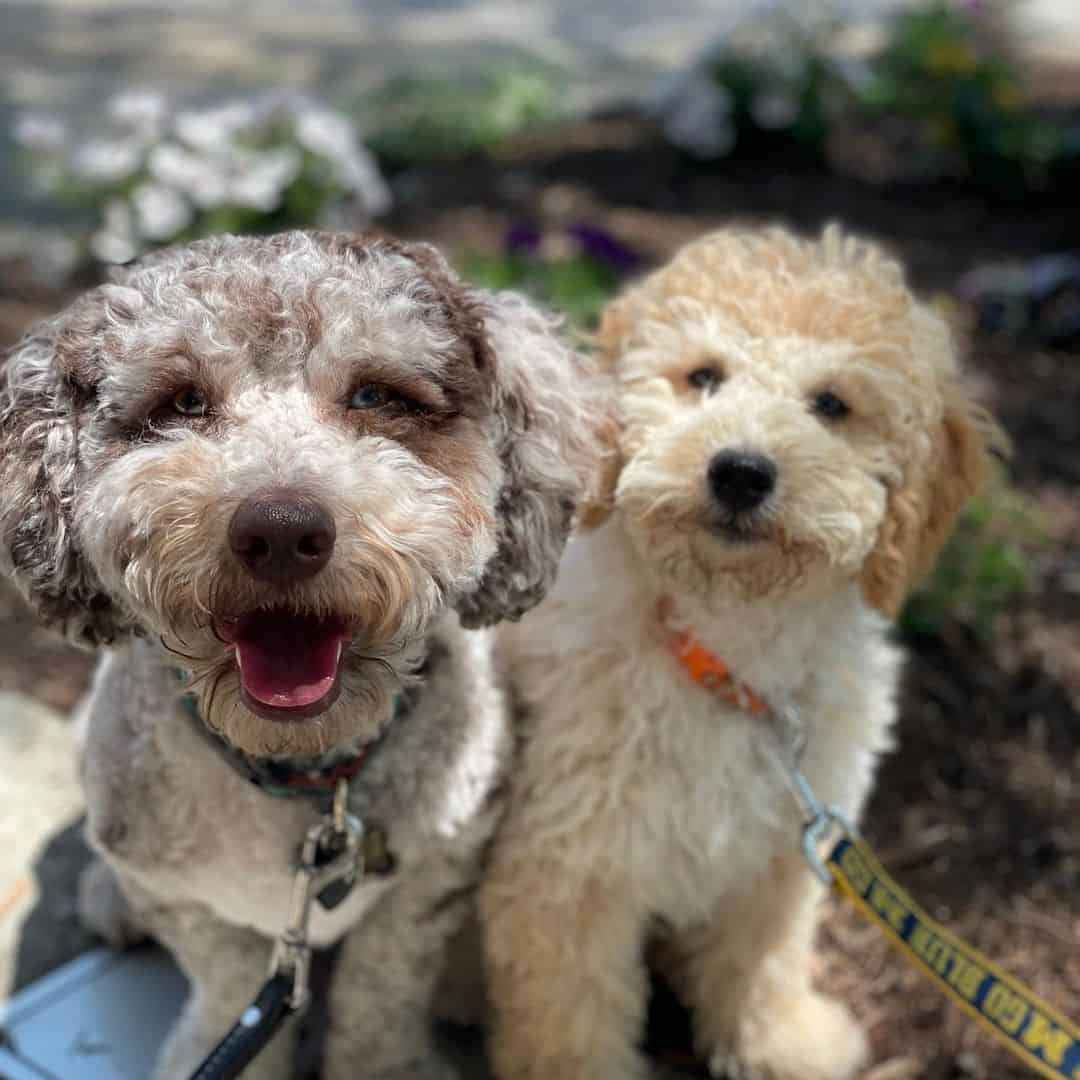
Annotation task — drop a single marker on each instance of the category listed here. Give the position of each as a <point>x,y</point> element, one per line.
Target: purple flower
<point>601,245</point>
<point>522,239</point>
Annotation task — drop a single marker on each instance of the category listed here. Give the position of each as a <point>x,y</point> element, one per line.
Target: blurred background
<point>562,147</point>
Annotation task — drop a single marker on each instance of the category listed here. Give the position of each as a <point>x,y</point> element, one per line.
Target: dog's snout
<point>740,480</point>
<point>282,536</point>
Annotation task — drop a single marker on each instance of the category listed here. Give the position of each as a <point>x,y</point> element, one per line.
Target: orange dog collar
<point>709,670</point>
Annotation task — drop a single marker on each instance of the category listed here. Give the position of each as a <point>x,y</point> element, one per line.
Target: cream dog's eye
<point>190,402</point>
<point>705,378</point>
<point>831,407</point>
<point>373,396</point>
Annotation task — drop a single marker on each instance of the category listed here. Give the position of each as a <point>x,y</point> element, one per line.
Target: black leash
<point>331,862</point>
<point>259,1023</point>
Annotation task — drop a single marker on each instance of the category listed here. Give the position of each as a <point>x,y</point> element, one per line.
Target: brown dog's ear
<point>548,419</point>
<point>921,513</point>
<point>44,392</point>
<point>546,424</point>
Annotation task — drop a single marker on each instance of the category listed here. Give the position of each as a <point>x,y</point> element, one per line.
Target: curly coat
<point>133,427</point>
<point>645,809</point>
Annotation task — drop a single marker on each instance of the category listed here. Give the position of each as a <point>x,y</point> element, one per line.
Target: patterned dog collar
<point>308,777</point>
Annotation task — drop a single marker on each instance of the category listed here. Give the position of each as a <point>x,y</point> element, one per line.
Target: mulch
<point>978,810</point>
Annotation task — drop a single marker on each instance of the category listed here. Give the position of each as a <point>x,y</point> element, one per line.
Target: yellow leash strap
<point>1047,1042</point>
<point>1038,1035</point>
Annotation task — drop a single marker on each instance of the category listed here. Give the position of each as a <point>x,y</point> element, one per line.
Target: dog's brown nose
<point>282,536</point>
<point>740,480</point>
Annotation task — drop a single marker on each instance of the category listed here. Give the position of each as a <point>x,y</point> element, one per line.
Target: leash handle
<point>259,1023</point>
<point>1047,1042</point>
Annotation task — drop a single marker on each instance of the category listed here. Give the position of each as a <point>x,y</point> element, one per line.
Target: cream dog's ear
<point>608,341</point>
<point>922,512</point>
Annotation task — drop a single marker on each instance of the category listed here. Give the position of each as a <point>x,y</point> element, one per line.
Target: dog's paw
<point>104,909</point>
<point>807,1038</point>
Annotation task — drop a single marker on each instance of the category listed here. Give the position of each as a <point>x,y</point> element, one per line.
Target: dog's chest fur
<point>173,817</point>
<point>656,782</point>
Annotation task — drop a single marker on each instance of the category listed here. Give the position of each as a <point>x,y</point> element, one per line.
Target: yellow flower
<point>1006,96</point>
<point>951,58</point>
<point>941,130</point>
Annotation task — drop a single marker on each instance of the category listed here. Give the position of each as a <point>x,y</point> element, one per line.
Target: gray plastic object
<point>103,1016</point>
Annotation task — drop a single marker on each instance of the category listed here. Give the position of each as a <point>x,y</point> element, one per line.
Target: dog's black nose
<point>740,480</point>
<point>282,536</point>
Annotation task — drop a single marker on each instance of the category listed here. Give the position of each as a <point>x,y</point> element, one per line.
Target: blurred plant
<point>574,270</point>
<point>424,118</point>
<point>940,96</point>
<point>771,74</point>
<point>984,567</point>
<point>945,82</point>
<point>158,173</point>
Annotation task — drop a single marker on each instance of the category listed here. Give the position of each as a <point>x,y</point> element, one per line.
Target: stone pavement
<point>63,52</point>
<point>38,795</point>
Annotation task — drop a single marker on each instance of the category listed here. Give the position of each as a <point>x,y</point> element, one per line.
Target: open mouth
<point>289,664</point>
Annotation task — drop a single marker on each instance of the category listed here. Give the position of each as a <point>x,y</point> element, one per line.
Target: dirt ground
<point>978,811</point>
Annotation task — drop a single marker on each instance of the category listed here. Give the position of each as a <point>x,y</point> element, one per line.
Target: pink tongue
<point>288,660</point>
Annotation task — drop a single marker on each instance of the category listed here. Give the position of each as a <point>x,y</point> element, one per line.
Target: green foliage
<point>946,73</point>
<point>940,97</point>
<point>578,285</point>
<point>424,118</point>
<point>984,567</point>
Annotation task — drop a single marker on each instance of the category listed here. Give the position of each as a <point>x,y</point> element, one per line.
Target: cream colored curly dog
<point>795,447</point>
<point>276,471</point>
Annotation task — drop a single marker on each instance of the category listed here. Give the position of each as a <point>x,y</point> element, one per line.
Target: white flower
<point>203,179</point>
<point>160,212</point>
<point>40,131</point>
<point>259,178</point>
<point>104,161</point>
<point>698,117</point>
<point>215,129</point>
<point>142,112</point>
<point>115,242</point>
<point>326,133</point>
<point>359,174</point>
<point>774,110</point>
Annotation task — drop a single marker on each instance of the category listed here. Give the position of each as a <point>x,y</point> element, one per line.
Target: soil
<point>978,811</point>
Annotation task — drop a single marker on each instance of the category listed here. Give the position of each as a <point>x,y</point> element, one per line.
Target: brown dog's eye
<point>831,407</point>
<point>374,396</point>
<point>705,378</point>
<point>190,402</point>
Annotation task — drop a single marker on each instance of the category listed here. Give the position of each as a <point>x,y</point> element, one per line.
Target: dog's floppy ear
<point>45,390</point>
<point>546,422</point>
<point>549,422</point>
<point>922,512</point>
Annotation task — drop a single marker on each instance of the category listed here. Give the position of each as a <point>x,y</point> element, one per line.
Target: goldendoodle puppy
<point>265,472</point>
<point>795,447</point>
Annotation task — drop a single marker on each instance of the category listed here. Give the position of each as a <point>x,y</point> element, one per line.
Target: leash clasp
<point>819,820</point>
<point>331,860</point>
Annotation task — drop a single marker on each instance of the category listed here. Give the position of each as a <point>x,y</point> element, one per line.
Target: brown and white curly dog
<point>795,446</point>
<point>266,472</point>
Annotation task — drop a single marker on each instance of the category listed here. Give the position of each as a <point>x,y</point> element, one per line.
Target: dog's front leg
<point>381,1009</point>
<point>746,976</point>
<point>566,976</point>
<point>226,966</point>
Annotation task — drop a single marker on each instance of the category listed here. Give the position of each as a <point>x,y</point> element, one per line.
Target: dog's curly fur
<point>644,810</point>
<point>454,491</point>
